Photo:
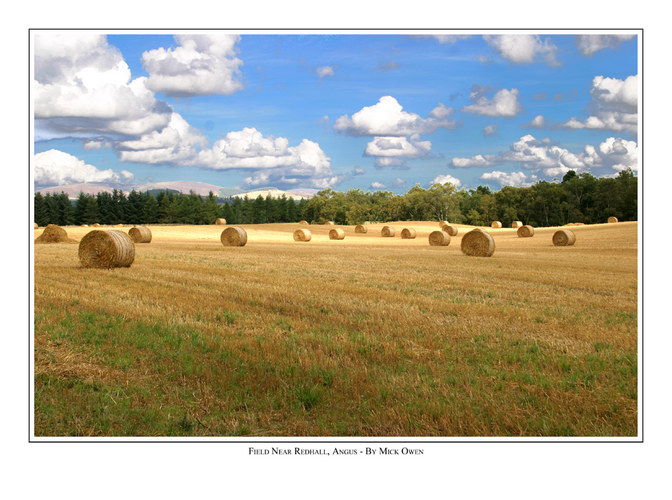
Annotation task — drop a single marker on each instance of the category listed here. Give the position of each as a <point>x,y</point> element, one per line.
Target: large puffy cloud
<point>200,65</point>
<point>387,149</point>
<point>57,168</point>
<point>506,178</point>
<point>503,104</point>
<point>589,44</point>
<point>82,87</point>
<point>523,49</point>
<point>614,106</point>
<point>553,160</point>
<point>442,179</point>
<point>387,118</point>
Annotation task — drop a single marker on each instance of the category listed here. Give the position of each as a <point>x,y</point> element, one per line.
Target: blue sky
<point>340,110</point>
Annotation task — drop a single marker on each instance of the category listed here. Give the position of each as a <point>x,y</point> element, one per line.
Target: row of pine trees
<point>578,198</point>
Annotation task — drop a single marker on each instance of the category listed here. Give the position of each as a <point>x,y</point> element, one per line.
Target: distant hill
<point>200,188</point>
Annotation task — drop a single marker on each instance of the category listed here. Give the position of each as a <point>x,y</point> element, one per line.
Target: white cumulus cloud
<point>200,65</point>
<point>503,104</point>
<point>323,71</point>
<point>523,49</point>
<point>589,44</point>
<point>57,168</point>
<point>442,179</point>
<point>506,178</point>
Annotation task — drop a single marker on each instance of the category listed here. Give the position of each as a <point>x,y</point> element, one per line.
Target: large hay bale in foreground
<point>525,231</point>
<point>302,235</point>
<point>408,233</point>
<point>516,224</point>
<point>563,238</point>
<point>450,229</point>
<point>106,249</point>
<point>478,243</point>
<point>233,236</point>
<point>52,234</point>
<point>362,229</point>
<point>387,232</point>
<point>220,222</point>
<point>140,234</point>
<point>336,234</point>
<point>439,238</point>
<point>612,219</point>
<point>496,224</point>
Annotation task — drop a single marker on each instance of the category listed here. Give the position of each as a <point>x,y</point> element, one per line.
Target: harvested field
<point>370,337</point>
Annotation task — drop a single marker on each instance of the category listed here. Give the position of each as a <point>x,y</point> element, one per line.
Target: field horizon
<point>365,336</point>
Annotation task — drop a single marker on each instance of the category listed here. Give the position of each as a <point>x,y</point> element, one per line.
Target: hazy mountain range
<point>201,188</point>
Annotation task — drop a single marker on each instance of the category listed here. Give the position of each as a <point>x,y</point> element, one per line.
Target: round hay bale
<point>35,226</point>
<point>516,224</point>
<point>387,232</point>
<point>450,229</point>
<point>233,236</point>
<point>336,234</point>
<point>329,223</point>
<point>408,233</point>
<point>525,231</point>
<point>496,224</point>
<point>612,219</point>
<point>106,249</point>
<point>303,222</point>
<point>478,243</point>
<point>362,229</point>
<point>120,225</point>
<point>439,238</point>
<point>443,224</point>
<point>83,225</point>
<point>302,235</point>
<point>220,222</point>
<point>563,238</point>
<point>140,234</point>
<point>52,234</point>
<point>95,224</point>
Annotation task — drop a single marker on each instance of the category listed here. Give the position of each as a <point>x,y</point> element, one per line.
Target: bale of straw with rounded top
<point>362,229</point>
<point>35,226</point>
<point>443,223</point>
<point>52,234</point>
<point>304,222</point>
<point>83,225</point>
<point>233,236</point>
<point>329,223</point>
<point>106,249</point>
<point>525,231</point>
<point>496,224</point>
<point>450,229</point>
<point>563,238</point>
<point>140,234</point>
<point>408,233</point>
<point>612,219</point>
<point>336,234</point>
<point>478,243</point>
<point>220,222</point>
<point>439,239</point>
<point>302,235</point>
<point>387,232</point>
<point>95,224</point>
<point>516,224</point>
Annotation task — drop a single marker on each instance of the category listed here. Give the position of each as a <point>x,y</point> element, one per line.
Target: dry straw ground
<point>369,336</point>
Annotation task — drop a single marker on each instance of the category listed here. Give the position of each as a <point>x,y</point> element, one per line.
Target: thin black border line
<point>399,440</point>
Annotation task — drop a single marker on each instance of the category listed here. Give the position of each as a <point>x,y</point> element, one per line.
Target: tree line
<point>578,198</point>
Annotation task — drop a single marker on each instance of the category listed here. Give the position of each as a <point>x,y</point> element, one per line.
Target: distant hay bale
<point>478,243</point>
<point>408,233</point>
<point>443,224</point>
<point>233,236</point>
<point>336,234</point>
<point>525,231</point>
<point>450,229</point>
<point>52,234</point>
<point>106,249</point>
<point>140,234</point>
<point>95,224</point>
<point>303,222</point>
<point>362,229</point>
<point>120,225</point>
<point>439,238</point>
<point>220,222</point>
<point>575,224</point>
<point>563,238</point>
<point>302,235</point>
<point>496,224</point>
<point>516,224</point>
<point>83,225</point>
<point>387,232</point>
<point>329,223</point>
<point>612,219</point>
<point>35,226</point>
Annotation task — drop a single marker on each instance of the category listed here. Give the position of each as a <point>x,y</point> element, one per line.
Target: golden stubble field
<point>367,336</point>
